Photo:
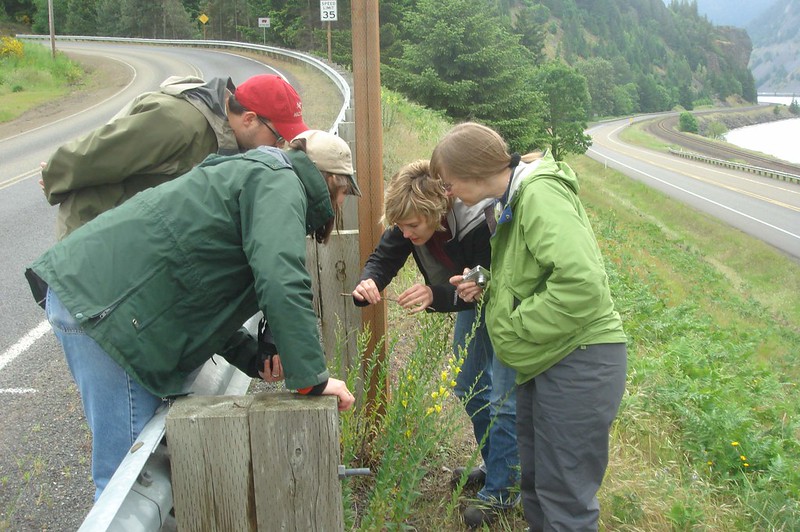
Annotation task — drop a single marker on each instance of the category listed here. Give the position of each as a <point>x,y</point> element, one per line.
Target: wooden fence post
<point>295,450</point>
<point>208,438</point>
<point>255,463</point>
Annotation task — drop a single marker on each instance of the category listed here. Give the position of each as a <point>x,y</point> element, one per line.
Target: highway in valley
<point>766,208</point>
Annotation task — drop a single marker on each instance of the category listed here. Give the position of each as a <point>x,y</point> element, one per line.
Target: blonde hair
<point>472,152</point>
<point>412,191</point>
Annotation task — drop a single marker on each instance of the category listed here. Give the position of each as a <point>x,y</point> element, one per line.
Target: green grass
<point>707,436</point>
<point>30,76</point>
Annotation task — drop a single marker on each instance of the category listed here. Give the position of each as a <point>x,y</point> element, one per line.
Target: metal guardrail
<point>774,174</point>
<point>138,498</point>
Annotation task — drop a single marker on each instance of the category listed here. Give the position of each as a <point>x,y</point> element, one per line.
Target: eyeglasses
<point>447,186</point>
<point>278,137</point>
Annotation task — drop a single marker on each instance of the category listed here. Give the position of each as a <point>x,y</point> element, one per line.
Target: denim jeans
<point>487,389</point>
<point>117,408</point>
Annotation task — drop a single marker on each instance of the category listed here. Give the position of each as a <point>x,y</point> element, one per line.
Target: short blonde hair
<point>412,191</point>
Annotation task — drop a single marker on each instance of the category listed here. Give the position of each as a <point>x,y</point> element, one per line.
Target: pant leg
<point>526,446</point>
<point>474,382</point>
<point>572,406</point>
<point>116,407</point>
<point>502,465</point>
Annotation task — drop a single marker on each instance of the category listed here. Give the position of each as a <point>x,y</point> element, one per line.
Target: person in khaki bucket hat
<point>330,154</point>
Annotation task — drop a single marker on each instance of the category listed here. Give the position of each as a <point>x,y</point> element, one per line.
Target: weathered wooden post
<point>294,442</point>
<point>208,438</point>
<point>255,463</point>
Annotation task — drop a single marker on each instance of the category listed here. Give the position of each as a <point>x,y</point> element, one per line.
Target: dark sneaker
<point>476,477</point>
<point>477,516</point>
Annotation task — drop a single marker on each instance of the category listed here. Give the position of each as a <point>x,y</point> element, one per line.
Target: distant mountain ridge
<point>739,13</point>
<point>775,61</point>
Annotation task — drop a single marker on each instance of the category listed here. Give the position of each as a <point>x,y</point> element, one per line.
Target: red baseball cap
<point>273,98</point>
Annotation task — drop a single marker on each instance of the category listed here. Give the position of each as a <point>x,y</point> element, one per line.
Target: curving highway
<point>44,445</point>
<point>765,208</point>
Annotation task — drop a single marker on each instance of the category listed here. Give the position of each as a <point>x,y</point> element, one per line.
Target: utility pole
<point>369,168</point>
<point>52,27</point>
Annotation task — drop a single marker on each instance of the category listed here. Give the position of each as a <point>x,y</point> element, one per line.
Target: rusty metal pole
<point>369,167</point>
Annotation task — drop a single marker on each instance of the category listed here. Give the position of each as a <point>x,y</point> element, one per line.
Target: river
<point>779,139</point>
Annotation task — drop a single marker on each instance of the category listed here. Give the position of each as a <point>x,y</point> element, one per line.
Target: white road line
<point>698,196</point>
<point>24,343</point>
<point>16,391</point>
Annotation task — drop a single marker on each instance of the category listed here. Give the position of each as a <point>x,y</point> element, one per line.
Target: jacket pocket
<point>142,304</point>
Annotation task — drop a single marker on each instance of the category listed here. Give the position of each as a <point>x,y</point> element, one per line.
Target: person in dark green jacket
<point>147,292</point>
<point>550,316</point>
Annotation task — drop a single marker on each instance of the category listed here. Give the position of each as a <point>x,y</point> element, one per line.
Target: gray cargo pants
<point>563,420</point>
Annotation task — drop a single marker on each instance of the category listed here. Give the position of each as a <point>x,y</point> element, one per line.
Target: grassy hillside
<point>707,437</point>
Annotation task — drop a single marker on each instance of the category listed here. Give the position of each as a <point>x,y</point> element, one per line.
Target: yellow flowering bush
<point>11,47</point>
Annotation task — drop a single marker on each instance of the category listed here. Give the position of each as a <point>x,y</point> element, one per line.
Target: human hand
<point>339,389</point>
<point>367,291</point>
<point>469,291</point>
<point>273,369</point>
<point>416,299</point>
<point>43,165</point>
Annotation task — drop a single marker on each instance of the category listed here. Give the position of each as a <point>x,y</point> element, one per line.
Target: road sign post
<point>327,13</point>
<point>263,22</point>
<point>203,18</point>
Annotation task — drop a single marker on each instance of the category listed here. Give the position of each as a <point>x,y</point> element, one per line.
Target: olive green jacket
<point>165,280</point>
<point>549,292</point>
<point>157,137</point>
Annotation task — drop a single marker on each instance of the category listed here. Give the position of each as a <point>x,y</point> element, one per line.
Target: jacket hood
<point>544,168</point>
<point>320,209</point>
<point>462,218</point>
<point>209,98</point>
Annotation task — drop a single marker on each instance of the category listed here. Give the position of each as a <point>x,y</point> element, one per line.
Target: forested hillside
<point>536,70</point>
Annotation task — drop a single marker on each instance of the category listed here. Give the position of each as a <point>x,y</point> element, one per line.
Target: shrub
<point>11,47</point>
<point>687,123</point>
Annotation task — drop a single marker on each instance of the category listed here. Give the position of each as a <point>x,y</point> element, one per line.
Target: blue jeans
<point>117,408</point>
<point>487,389</point>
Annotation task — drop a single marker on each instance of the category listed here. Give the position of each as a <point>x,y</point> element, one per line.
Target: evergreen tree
<point>81,17</point>
<point>459,58</point>
<point>566,104</point>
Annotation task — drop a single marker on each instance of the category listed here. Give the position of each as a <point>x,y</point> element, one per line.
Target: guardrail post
<point>295,449</point>
<point>209,443</point>
<point>256,463</point>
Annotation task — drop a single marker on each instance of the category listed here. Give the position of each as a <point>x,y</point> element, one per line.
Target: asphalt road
<point>765,208</point>
<point>45,480</point>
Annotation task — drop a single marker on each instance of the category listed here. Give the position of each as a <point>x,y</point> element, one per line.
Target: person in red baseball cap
<point>265,101</point>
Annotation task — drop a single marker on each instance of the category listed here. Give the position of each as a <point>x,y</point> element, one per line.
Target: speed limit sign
<point>327,10</point>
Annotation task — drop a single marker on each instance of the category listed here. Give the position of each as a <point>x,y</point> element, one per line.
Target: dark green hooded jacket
<point>165,280</point>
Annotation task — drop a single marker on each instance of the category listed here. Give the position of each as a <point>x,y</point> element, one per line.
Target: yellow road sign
<point>202,18</point>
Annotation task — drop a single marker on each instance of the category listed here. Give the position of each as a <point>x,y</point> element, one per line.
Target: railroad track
<point>666,129</point>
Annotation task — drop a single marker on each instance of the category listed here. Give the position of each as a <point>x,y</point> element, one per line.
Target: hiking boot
<point>478,515</point>
<point>476,477</point>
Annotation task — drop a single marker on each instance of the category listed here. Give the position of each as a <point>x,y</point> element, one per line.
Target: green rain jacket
<point>165,280</point>
<point>157,137</point>
<point>549,291</point>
